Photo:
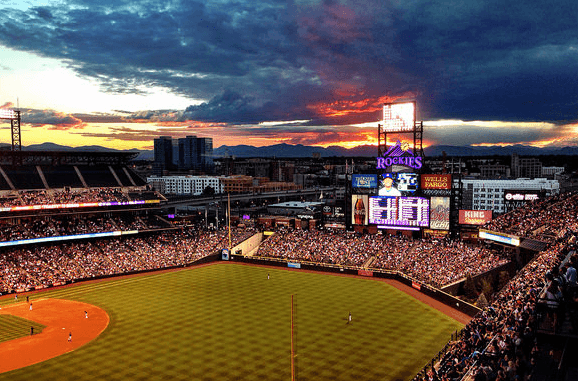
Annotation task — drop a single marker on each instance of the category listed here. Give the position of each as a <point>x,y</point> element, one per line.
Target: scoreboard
<point>410,213</point>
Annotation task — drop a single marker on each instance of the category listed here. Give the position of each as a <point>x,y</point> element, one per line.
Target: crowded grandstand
<point>63,234</point>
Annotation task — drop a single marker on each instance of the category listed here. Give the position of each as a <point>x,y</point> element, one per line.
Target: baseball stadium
<point>100,281</point>
<point>97,284</point>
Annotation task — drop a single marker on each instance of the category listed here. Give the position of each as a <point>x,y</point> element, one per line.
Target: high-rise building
<point>529,167</point>
<point>188,153</point>
<point>163,161</point>
<point>196,154</point>
<point>206,154</point>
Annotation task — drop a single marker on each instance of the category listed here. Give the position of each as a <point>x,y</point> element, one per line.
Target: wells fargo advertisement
<point>436,181</point>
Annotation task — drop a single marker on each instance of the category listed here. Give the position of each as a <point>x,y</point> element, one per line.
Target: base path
<point>61,317</point>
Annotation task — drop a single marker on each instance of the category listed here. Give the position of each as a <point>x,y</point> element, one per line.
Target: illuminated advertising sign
<point>475,217</point>
<point>399,117</point>
<point>399,212</point>
<point>67,238</point>
<point>364,181</point>
<point>440,213</point>
<point>399,154</point>
<point>334,226</point>
<point>436,181</point>
<point>514,199</point>
<point>521,195</point>
<point>338,212</point>
<point>500,237</point>
<point>360,203</point>
<point>398,184</point>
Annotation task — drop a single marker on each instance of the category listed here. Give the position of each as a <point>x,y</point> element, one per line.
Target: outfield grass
<point>12,327</point>
<point>229,322</point>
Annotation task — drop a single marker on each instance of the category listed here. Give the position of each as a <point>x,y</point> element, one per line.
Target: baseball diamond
<point>229,321</point>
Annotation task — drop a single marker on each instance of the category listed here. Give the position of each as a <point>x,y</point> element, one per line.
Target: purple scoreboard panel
<point>405,213</point>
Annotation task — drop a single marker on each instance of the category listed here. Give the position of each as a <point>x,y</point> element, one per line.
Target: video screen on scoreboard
<point>399,212</point>
<point>398,184</point>
<point>399,117</point>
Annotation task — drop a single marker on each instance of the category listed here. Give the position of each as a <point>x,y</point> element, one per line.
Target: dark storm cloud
<point>232,107</point>
<point>271,60</point>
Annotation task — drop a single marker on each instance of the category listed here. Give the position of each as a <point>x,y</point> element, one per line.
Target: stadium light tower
<point>14,117</point>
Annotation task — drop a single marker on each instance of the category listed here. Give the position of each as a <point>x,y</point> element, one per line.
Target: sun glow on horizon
<point>486,124</point>
<point>537,144</point>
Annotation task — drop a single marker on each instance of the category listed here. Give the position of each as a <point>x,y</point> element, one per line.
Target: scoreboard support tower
<point>417,139</point>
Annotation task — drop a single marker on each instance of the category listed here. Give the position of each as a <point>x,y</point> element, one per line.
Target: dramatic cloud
<point>55,120</point>
<point>329,62</point>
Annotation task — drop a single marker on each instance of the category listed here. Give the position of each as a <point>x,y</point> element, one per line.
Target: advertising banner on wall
<point>436,181</point>
<point>439,213</point>
<point>360,211</point>
<point>364,181</point>
<point>436,185</point>
<point>475,217</point>
<point>514,199</point>
<point>508,239</point>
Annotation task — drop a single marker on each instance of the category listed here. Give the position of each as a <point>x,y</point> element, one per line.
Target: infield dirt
<point>61,318</point>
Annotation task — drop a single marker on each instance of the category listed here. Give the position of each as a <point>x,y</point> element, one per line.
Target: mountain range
<point>296,151</point>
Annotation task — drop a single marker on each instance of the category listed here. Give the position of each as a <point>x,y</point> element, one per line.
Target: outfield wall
<point>425,289</point>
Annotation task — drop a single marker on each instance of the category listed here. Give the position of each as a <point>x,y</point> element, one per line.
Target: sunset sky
<point>119,73</point>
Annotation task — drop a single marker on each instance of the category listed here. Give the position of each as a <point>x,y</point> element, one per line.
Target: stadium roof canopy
<point>57,158</point>
<point>533,244</point>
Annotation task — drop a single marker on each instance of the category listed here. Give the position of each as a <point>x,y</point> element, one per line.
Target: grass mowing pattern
<point>229,322</point>
<point>12,327</point>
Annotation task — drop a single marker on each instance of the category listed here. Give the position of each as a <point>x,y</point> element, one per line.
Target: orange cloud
<point>348,107</point>
<point>65,127</point>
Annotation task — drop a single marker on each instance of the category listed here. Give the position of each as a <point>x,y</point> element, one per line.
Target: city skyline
<point>121,73</point>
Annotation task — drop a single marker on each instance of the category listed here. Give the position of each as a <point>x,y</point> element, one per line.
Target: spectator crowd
<point>501,343</point>
<point>68,196</point>
<point>498,344</point>
<point>542,219</point>
<point>436,262</point>
<point>63,225</point>
<point>33,267</point>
